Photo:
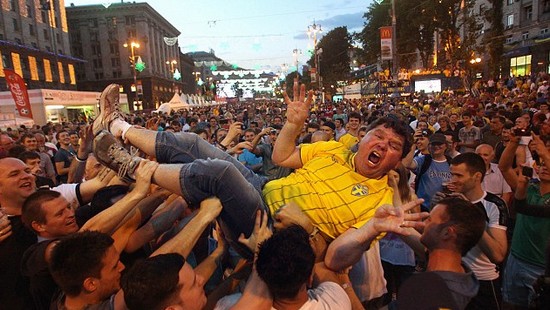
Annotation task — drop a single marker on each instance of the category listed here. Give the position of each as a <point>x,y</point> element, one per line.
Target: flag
<point>19,93</point>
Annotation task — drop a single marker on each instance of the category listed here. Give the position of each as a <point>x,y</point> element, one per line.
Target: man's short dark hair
<point>152,283</point>
<point>469,221</point>
<point>60,132</point>
<point>400,127</point>
<point>32,207</point>
<point>356,115</point>
<point>28,155</point>
<point>285,262</point>
<point>26,135</point>
<point>473,161</point>
<point>314,125</point>
<point>77,257</point>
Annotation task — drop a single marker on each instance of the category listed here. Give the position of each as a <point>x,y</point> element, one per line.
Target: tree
<point>494,38</point>
<point>237,89</point>
<point>334,59</point>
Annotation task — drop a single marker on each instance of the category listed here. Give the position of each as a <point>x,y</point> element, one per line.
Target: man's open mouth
<point>374,158</point>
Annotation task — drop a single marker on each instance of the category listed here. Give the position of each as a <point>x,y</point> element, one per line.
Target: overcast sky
<point>258,34</point>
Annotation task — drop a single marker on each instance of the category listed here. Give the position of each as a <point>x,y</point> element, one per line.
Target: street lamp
<point>296,53</point>
<point>474,61</point>
<point>174,71</point>
<point>312,31</point>
<point>133,45</point>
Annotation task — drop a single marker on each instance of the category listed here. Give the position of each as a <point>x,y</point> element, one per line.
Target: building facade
<point>116,40</point>
<point>34,42</point>
<point>527,45</point>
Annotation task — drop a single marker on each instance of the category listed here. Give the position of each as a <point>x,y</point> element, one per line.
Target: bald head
<point>487,153</point>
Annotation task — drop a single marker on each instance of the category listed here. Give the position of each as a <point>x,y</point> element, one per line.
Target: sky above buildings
<point>254,34</point>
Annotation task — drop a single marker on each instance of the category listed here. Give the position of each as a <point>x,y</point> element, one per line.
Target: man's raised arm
<point>285,152</point>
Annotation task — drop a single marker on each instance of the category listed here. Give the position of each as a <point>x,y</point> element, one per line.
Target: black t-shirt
<point>14,287</point>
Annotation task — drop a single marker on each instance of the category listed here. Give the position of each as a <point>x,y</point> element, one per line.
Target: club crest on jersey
<point>359,190</point>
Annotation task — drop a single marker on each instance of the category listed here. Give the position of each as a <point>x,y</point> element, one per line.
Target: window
<point>29,11</point>
<point>520,66</point>
<point>510,2</point>
<point>509,20</point>
<point>525,35</point>
<point>112,21</point>
<point>113,47</point>
<point>49,49</point>
<point>117,74</point>
<point>58,38</point>
<point>96,49</point>
<point>546,6</point>
<point>15,24</point>
<point>34,44</point>
<point>93,22</point>
<point>528,12</point>
<point>18,41</point>
<point>31,30</point>
<point>544,31</point>
<point>99,75</point>
<point>130,20</point>
<point>97,63</point>
<point>44,15</point>
<point>13,5</point>
<point>46,34</point>
<point>131,33</point>
<point>115,62</point>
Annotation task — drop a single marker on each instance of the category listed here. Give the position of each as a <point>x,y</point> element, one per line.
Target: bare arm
<point>506,161</point>
<point>109,219</point>
<point>408,161</point>
<point>78,167</point>
<point>494,244</point>
<point>168,212</point>
<point>185,240</point>
<point>285,152</point>
<point>347,249</point>
<point>207,267</point>
<point>89,188</point>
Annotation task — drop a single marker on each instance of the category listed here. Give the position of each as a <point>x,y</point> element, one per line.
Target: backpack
<point>425,165</point>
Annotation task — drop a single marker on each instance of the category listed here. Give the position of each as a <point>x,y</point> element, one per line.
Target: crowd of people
<point>429,201</point>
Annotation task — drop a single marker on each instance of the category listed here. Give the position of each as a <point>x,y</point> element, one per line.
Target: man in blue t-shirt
<point>432,174</point>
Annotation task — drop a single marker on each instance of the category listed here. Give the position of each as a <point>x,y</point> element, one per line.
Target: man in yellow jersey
<point>337,189</point>
<point>351,137</point>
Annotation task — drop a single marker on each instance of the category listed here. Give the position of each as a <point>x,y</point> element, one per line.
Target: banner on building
<point>19,93</point>
<point>386,47</point>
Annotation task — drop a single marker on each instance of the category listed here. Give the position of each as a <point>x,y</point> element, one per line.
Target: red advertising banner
<point>386,47</point>
<point>19,93</point>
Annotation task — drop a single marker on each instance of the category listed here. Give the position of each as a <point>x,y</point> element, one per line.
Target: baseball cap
<point>438,138</point>
<point>330,125</point>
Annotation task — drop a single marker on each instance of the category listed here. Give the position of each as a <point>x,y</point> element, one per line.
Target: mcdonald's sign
<point>386,47</point>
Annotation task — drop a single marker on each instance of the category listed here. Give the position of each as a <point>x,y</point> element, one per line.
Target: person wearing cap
<point>329,128</point>
<point>432,170</point>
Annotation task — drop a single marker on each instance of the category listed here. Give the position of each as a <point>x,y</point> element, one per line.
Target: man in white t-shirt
<point>467,173</point>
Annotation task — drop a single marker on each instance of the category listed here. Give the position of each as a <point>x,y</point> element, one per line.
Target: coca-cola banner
<point>19,93</point>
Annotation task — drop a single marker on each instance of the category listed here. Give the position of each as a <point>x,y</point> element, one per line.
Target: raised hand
<point>291,214</point>
<point>144,173</point>
<point>260,233</point>
<point>395,219</point>
<point>298,108</point>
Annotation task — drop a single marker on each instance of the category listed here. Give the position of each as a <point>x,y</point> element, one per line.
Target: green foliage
<point>334,59</point>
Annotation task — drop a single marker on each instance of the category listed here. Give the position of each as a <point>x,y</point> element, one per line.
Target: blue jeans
<point>518,280</point>
<point>208,171</point>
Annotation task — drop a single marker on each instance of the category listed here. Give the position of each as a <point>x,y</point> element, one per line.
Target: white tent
<point>176,103</point>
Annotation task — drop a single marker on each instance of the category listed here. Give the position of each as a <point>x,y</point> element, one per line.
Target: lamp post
<point>133,45</point>
<point>312,31</point>
<point>172,65</point>
<point>474,62</point>
<point>296,53</point>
